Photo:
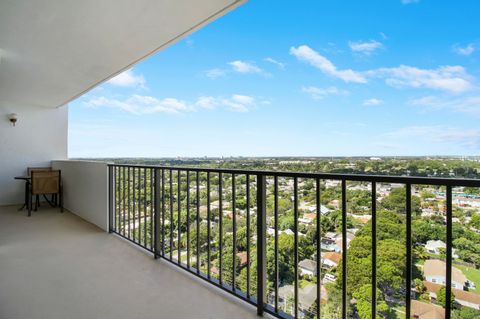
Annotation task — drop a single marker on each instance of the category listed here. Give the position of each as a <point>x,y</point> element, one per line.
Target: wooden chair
<point>38,169</point>
<point>46,183</point>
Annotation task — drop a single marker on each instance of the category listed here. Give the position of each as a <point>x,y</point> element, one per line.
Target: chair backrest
<point>37,169</point>
<point>45,182</point>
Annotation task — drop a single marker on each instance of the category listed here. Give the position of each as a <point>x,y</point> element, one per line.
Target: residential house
<point>464,298</point>
<point>423,310</point>
<point>436,246</point>
<point>331,259</point>
<point>308,218</point>
<point>329,278</point>
<point>306,298</point>
<point>307,267</point>
<point>243,258</point>
<point>328,244</point>
<point>434,271</point>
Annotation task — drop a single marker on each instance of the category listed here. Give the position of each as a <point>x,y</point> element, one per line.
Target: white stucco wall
<point>40,135</point>
<point>85,190</point>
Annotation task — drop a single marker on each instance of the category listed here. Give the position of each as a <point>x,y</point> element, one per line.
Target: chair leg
<point>60,195</point>
<point>37,200</point>
<point>29,204</point>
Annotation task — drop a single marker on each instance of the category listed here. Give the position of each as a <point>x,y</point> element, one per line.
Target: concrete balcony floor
<point>55,265</point>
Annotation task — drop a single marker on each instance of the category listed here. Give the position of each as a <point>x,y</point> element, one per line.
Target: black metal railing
<point>227,227</point>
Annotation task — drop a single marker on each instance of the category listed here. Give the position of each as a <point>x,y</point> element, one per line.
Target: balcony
<point>177,242</point>
<point>56,265</point>
<point>174,231</point>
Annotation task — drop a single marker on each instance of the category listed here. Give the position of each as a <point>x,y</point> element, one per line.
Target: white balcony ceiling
<point>52,51</point>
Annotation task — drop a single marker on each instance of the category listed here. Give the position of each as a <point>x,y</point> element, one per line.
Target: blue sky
<point>298,78</point>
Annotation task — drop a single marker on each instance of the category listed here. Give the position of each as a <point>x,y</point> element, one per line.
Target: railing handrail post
<point>261,242</point>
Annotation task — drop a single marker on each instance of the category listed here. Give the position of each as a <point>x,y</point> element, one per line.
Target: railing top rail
<point>414,180</point>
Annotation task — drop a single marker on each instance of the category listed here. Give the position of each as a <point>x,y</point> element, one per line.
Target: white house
<point>331,259</point>
<point>464,298</point>
<point>435,247</point>
<point>307,267</point>
<point>434,271</point>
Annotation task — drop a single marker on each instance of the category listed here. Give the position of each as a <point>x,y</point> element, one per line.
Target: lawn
<point>399,313</point>
<point>472,275</point>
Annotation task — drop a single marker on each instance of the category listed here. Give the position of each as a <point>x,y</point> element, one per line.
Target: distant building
<point>308,218</point>
<point>306,298</point>
<point>434,271</point>
<point>423,310</point>
<point>435,247</point>
<point>330,235</point>
<point>243,258</point>
<point>331,259</point>
<point>464,298</point>
<point>329,278</point>
<point>307,267</point>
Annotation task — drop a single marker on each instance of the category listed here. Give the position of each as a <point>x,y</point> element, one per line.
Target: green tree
<point>465,313</point>
<point>363,296</point>
<point>442,297</point>
<point>397,199</point>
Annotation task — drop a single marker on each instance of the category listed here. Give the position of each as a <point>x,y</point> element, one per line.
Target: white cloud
<point>449,78</point>
<point>469,138</point>
<point>127,79</point>
<point>273,61</point>
<point>365,47</point>
<point>206,102</point>
<point>446,78</point>
<point>409,1</point>
<point>465,104</point>
<point>320,93</point>
<point>239,103</point>
<point>465,51</point>
<point>312,57</point>
<point>215,73</point>
<point>140,105</point>
<point>372,102</point>
<point>245,67</point>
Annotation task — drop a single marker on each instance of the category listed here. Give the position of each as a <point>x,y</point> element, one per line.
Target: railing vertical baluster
<point>275,212</point>
<point>111,199</point>
<point>234,229</point>
<point>319,248</point>
<point>248,234</point>
<point>118,198</point>
<point>152,200</point>
<point>145,207</point>
<point>171,213</point>
<point>156,212</point>
<point>374,250</point>
<point>129,198</point>
<point>448,295</point>
<point>408,277</point>
<point>261,242</point>
<point>138,190</point>
<point>139,206</point>
<point>208,225</point>
<point>134,211</point>
<point>124,200</point>
<point>295,254</point>
<point>179,223</point>
<point>344,248</point>
<point>220,220</point>
<point>188,219</point>
<point>163,213</point>
<point>198,221</point>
